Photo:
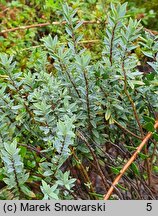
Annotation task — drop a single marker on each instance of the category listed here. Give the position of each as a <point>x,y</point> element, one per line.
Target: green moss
<point>148,6</point>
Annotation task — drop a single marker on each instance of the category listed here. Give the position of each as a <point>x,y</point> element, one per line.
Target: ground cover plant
<point>76,119</point>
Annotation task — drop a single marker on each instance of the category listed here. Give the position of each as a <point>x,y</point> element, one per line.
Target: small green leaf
<point>135,168</point>
<point>27,191</point>
<point>155,135</point>
<point>143,156</point>
<point>95,132</point>
<point>97,195</point>
<point>148,53</point>
<point>115,170</point>
<point>149,127</point>
<point>149,119</point>
<point>111,120</point>
<point>23,151</point>
<point>123,188</point>
<point>107,114</point>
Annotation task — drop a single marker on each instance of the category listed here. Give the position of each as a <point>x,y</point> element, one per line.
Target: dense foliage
<point>71,115</point>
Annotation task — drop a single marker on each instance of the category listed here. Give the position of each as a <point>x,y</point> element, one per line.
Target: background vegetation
<point>78,99</point>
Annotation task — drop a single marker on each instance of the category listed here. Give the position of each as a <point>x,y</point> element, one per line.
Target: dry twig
<point>39,25</point>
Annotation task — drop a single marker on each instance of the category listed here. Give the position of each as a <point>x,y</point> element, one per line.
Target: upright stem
<point>131,100</point>
<point>87,99</point>
<point>137,119</point>
<point>70,78</point>
<point>16,179</point>
<point>81,136</point>
<point>84,174</point>
<point>111,44</point>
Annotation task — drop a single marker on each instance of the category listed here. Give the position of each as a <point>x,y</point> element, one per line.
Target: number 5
<point>149,207</point>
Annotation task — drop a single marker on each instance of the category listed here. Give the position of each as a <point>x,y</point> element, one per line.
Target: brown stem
<point>151,31</point>
<point>131,100</point>
<point>129,162</point>
<point>127,131</point>
<point>81,136</point>
<point>137,119</point>
<point>39,25</point>
<point>70,78</point>
<point>16,179</point>
<point>111,44</point>
<point>87,99</point>
<point>37,46</point>
<point>32,148</point>
<point>83,172</point>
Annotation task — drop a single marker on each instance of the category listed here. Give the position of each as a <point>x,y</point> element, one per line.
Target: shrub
<point>66,133</point>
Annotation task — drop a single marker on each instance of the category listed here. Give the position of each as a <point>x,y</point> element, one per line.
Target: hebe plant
<point>66,134</point>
